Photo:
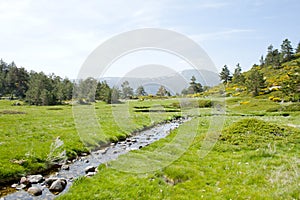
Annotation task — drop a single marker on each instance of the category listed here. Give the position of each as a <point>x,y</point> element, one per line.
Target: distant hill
<point>175,82</point>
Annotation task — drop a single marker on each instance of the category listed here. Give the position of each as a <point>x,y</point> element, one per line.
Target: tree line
<point>37,88</point>
<point>33,87</point>
<point>254,80</point>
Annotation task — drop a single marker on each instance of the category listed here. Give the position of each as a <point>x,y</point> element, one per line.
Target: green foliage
<point>225,75</point>
<point>238,77</point>
<point>298,48</point>
<point>255,81</point>
<point>140,91</point>
<point>35,88</point>
<point>287,51</point>
<point>203,103</point>
<point>127,91</point>
<point>162,91</point>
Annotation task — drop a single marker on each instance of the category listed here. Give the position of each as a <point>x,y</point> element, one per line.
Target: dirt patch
<point>11,112</point>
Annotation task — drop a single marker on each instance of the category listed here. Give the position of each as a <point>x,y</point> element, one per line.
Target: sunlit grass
<point>27,137</point>
<point>263,167</point>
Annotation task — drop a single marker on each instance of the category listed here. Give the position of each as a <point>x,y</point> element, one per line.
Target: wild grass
<point>27,132</point>
<point>255,157</point>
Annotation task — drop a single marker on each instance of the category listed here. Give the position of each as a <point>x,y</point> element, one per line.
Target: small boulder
<point>35,178</point>
<point>102,151</point>
<point>34,191</point>
<point>65,167</point>
<point>21,187</point>
<point>48,182</point>
<point>90,174</point>
<point>89,169</point>
<point>58,185</point>
<point>24,181</point>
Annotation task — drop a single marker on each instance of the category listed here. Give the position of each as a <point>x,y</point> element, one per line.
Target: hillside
<point>279,83</point>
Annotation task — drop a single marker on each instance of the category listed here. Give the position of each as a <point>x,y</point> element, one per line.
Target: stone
<point>89,169</point>
<point>58,185</point>
<point>65,167</point>
<point>14,185</point>
<point>133,140</point>
<point>34,191</point>
<point>89,174</point>
<point>35,178</point>
<point>86,161</point>
<point>48,182</point>
<point>21,187</point>
<point>102,151</point>
<point>24,181</point>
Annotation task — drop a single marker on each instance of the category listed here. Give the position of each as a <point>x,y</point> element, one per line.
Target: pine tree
<point>225,75</point>
<point>127,91</point>
<point>298,48</point>
<point>238,77</point>
<point>194,87</point>
<point>103,92</point>
<point>162,91</point>
<point>287,51</point>
<point>140,91</point>
<point>255,81</point>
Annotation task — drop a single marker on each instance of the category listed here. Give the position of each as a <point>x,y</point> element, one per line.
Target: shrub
<point>205,103</point>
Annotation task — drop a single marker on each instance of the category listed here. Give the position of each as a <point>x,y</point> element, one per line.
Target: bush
<point>205,103</point>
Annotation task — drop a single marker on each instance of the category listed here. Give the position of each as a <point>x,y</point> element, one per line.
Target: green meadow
<point>255,157</point>
<point>28,133</point>
<point>255,154</point>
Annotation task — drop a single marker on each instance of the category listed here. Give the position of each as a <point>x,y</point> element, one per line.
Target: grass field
<point>259,165</point>
<point>27,132</point>
<point>255,157</point>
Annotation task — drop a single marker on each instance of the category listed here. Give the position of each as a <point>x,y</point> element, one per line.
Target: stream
<point>77,167</point>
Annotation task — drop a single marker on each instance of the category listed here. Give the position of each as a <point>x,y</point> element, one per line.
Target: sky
<point>58,36</point>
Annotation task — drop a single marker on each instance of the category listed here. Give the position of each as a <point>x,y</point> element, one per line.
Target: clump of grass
<point>57,153</point>
<point>253,132</point>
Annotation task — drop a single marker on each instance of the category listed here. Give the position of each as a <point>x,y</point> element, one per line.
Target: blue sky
<point>57,36</point>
